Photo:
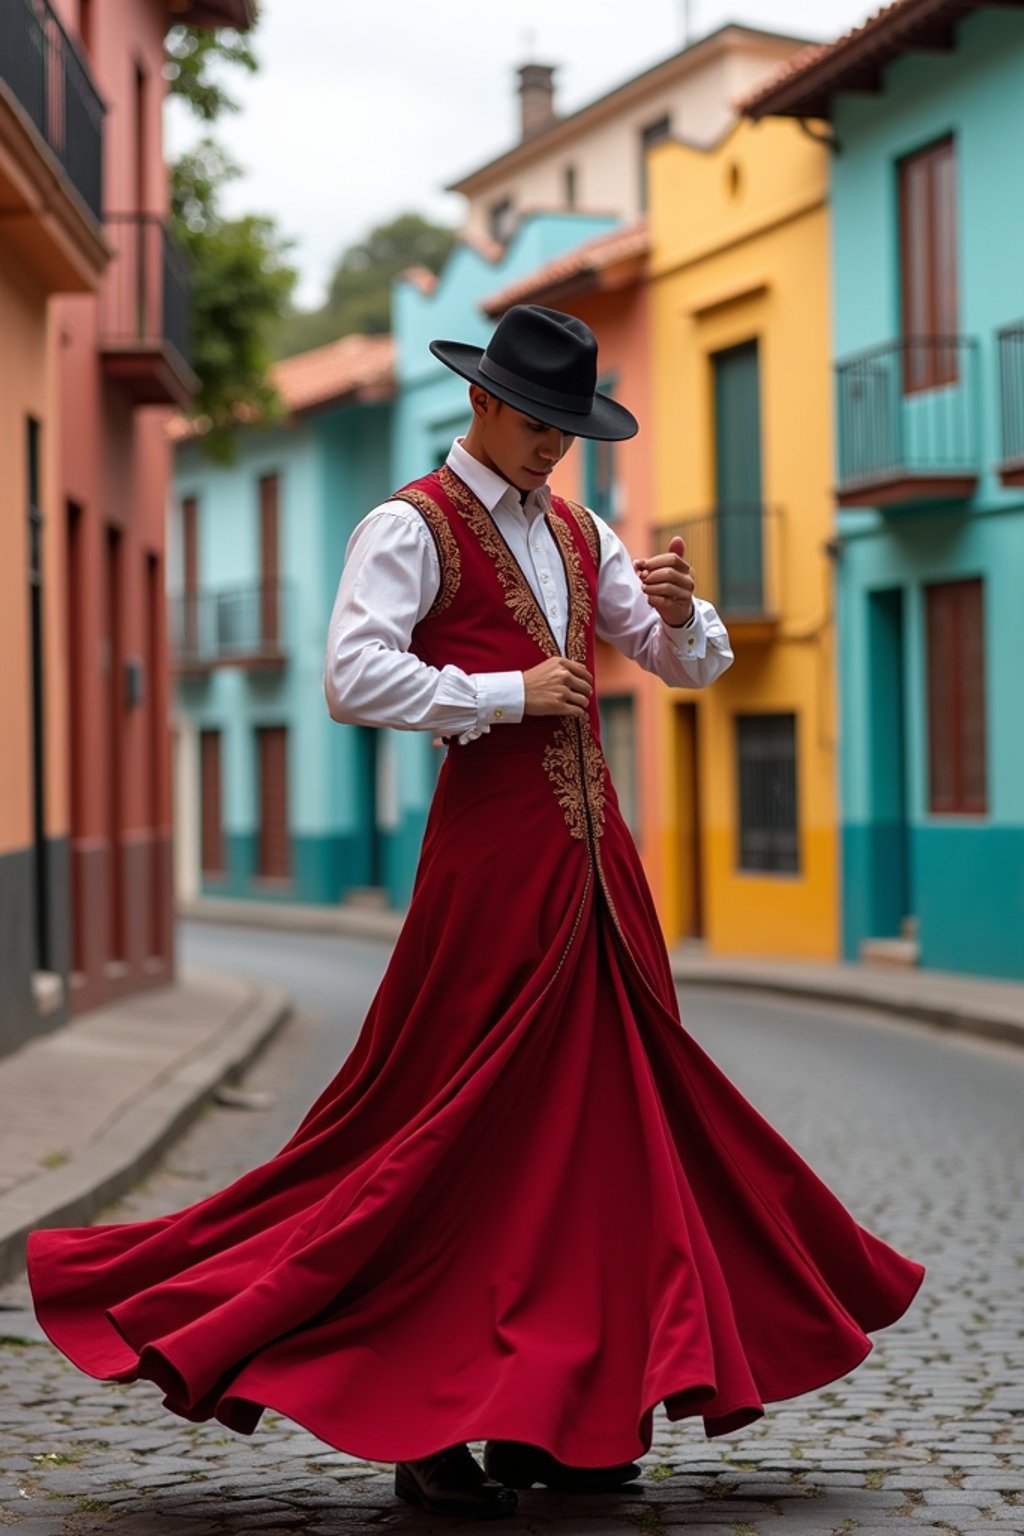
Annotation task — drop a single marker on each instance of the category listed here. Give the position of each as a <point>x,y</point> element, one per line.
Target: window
<point>570,186</point>
<point>649,136</point>
<point>928,265</point>
<point>274,841</point>
<point>503,221</point>
<point>766,746</point>
<point>269,572</point>
<point>211,819</point>
<point>955,617</point>
<point>600,491</point>
<point>618,737</point>
<point>190,575</point>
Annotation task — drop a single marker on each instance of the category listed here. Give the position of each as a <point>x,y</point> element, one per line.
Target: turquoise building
<point>928,307</point>
<point>274,800</point>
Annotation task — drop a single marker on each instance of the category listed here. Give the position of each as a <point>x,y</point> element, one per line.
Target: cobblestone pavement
<point>920,1134</point>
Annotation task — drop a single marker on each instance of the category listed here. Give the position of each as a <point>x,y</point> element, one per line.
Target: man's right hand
<point>558,687</point>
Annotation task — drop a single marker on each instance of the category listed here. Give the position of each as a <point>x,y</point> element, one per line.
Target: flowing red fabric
<point>529,1206</point>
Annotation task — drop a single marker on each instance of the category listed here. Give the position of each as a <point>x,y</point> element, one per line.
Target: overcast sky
<point>361,111</point>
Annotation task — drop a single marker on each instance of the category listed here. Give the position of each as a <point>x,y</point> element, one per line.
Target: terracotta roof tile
<point>586,260</point>
<point>362,367</point>
<point>816,72</point>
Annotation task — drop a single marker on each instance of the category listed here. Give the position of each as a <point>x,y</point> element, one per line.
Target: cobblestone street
<point>922,1135</point>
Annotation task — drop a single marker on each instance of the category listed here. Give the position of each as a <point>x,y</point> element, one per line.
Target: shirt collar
<point>489,487</point>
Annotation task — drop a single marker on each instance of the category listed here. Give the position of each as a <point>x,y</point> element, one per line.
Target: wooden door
<point>274,841</point>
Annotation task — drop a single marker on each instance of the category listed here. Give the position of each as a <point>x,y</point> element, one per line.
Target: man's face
<point>523,450</point>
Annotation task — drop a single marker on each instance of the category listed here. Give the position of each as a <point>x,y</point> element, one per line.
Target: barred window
<point>769,834</point>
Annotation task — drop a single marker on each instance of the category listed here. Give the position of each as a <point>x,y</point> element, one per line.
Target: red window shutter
<point>190,562</point>
<point>956,698</point>
<point>212,825</point>
<point>928,264</point>
<point>269,573</point>
<point>275,845</point>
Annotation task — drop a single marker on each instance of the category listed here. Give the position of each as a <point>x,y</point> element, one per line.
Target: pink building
<point>94,301</point>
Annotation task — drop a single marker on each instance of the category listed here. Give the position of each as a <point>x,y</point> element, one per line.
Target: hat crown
<point>554,351</point>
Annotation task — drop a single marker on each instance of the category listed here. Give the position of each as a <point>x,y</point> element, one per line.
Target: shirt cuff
<point>501,698</point>
<point>690,639</point>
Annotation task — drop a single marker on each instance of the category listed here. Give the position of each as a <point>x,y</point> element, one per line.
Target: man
<point>528,1209</point>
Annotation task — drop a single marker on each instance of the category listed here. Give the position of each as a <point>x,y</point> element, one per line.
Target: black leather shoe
<point>452,1483</point>
<point>520,1466</point>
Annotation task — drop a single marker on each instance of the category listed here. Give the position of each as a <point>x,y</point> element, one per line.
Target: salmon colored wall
<point>22,393</point>
<point>115,466</point>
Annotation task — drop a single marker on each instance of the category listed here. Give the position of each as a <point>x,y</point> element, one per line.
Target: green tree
<point>241,279</point>
<point>359,293</point>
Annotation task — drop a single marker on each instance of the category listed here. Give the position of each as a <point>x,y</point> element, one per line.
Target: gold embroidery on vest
<point>574,762</point>
<point>518,593</point>
<point>585,523</point>
<point>448,557</point>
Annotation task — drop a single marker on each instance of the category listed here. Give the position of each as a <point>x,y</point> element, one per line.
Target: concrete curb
<point>355,922</point>
<point>73,1195</point>
<point>983,1019</point>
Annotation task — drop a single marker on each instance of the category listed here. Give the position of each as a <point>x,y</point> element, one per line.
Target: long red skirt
<point>529,1206</point>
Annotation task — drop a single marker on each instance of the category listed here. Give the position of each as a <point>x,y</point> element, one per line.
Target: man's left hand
<point>668,583</point>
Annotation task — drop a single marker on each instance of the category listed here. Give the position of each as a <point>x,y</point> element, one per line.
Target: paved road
<point>922,1135</point>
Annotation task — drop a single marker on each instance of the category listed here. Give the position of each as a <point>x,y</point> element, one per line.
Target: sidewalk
<point>948,1000</point>
<point>87,1110</point>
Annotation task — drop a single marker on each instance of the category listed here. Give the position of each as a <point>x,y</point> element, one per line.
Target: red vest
<point>486,618</point>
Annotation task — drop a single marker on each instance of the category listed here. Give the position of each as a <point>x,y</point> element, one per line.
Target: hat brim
<point>607,420</point>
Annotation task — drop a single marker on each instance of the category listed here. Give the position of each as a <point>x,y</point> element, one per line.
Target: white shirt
<point>389,582</point>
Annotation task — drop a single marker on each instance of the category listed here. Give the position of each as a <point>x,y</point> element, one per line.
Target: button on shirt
<point>391,578</point>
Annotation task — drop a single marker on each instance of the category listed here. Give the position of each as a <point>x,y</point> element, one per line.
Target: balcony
<point>734,551</point>
<point>1010,342</point>
<point>145,312</point>
<point>238,627</point>
<point>908,423</point>
<point>51,149</point>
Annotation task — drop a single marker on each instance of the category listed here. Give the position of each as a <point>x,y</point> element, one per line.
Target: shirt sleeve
<point>690,656</point>
<point>389,581</point>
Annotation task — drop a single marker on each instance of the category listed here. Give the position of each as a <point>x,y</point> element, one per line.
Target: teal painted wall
<point>332,469</point>
<point>965,874</point>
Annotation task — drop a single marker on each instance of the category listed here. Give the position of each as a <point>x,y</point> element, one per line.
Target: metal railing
<point>1010,341</point>
<point>237,624</point>
<point>146,299</point>
<point>908,408</point>
<point>734,551</point>
<point>42,66</point>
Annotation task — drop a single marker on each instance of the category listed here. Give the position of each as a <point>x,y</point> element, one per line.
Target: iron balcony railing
<point>734,551</point>
<point>146,299</point>
<point>1011,391</point>
<point>238,625</point>
<point>42,67</point>
<point>908,409</point>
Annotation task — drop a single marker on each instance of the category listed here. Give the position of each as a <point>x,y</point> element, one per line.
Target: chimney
<point>536,98</point>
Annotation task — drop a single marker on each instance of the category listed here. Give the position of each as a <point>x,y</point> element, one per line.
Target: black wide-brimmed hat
<point>544,363</point>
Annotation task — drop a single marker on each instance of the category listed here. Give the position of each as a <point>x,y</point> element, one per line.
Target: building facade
<point>928,345</point>
<point>123,366</point>
<point>594,160</point>
<point>537,221</point>
<point>51,242</point>
<point>742,464</point>
<point>274,801</point>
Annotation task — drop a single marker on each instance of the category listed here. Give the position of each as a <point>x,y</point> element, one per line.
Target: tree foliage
<point>241,279</point>
<point>192,58</point>
<point>359,292</point>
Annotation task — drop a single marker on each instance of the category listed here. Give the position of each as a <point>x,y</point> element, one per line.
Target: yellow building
<point>743,465</point>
